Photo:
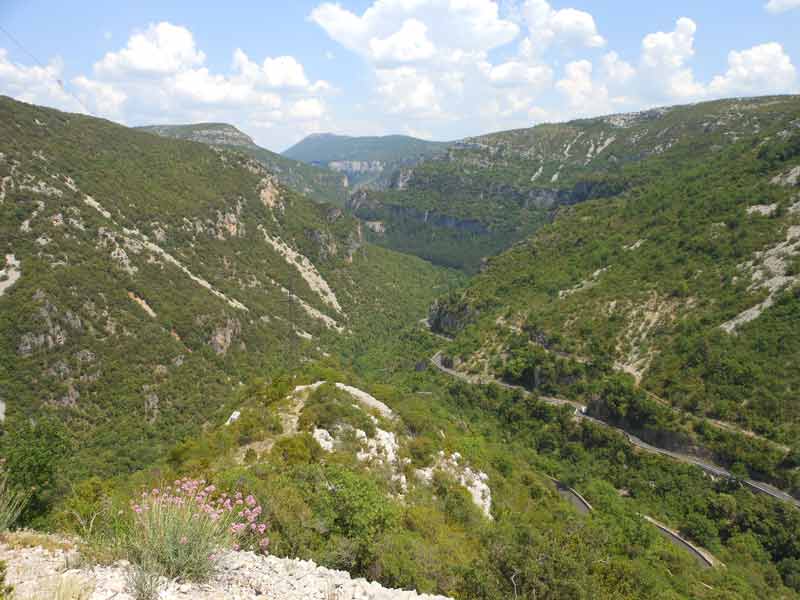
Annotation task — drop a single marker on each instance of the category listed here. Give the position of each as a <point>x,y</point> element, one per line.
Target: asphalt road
<point>580,410</point>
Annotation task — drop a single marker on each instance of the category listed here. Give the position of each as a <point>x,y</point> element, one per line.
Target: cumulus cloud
<point>430,54</point>
<point>617,70</point>
<point>104,98</point>
<point>160,49</point>
<point>410,30</point>
<point>762,69</point>
<point>410,43</point>
<point>408,91</point>
<point>567,26</point>
<point>779,6</point>
<point>160,76</point>
<point>585,96</point>
<point>664,62</point>
<point>307,109</point>
<point>35,84</point>
<point>518,73</point>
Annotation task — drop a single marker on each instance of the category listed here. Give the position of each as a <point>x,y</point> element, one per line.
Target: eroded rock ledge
<point>240,576</point>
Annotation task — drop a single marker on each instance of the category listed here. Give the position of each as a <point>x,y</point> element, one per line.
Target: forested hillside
<point>676,297</point>
<point>175,320</point>
<point>315,182</point>
<point>488,192</point>
<point>145,278</point>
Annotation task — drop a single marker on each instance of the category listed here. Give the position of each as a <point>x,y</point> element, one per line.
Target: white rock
<point>762,209</point>
<point>324,439</point>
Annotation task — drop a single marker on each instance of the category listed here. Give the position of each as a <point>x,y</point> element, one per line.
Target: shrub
<point>143,582</point>
<point>12,503</point>
<point>179,531</point>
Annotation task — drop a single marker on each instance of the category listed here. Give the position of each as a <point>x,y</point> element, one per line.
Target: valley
<point>555,362</point>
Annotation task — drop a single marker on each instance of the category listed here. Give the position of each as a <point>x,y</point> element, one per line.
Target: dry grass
<point>24,538</point>
<point>66,587</point>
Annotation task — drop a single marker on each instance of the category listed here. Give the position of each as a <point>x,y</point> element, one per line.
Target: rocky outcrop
<point>36,572</point>
<point>10,273</point>
<point>214,134</point>
<point>789,178</point>
<point>223,336</point>
<point>448,315</point>
<point>371,209</point>
<point>401,178</point>
<point>474,481</point>
<point>357,166</point>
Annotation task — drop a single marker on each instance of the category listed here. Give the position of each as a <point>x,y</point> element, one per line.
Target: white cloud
<point>102,97</point>
<point>584,95</point>
<point>762,69</point>
<point>160,76</point>
<point>280,72</point>
<point>406,90</point>
<point>455,28</point>
<point>410,43</point>
<point>307,109</point>
<point>518,73</point>
<point>35,84</point>
<point>617,70</point>
<point>779,6</point>
<point>567,26</point>
<point>162,48</point>
<point>664,58</point>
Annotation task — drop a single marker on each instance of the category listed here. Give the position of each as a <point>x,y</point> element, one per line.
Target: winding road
<point>580,414</point>
<point>703,557</point>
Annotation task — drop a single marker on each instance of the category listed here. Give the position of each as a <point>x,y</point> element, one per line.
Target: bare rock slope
<point>40,573</point>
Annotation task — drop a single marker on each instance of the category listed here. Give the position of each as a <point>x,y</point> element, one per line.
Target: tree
<point>33,452</point>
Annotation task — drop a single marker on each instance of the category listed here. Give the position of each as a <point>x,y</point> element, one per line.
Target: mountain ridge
<point>366,161</point>
<point>320,184</point>
<point>513,182</point>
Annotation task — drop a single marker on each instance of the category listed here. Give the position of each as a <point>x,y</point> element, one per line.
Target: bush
<point>143,582</point>
<point>12,503</point>
<point>179,531</point>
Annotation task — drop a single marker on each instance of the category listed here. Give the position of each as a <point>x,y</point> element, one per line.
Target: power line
<point>32,56</point>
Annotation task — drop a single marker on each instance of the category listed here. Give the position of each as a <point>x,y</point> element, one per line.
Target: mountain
<point>488,192</point>
<point>317,183</point>
<point>366,161</point>
<point>144,278</point>
<point>175,322</point>
<point>669,307</point>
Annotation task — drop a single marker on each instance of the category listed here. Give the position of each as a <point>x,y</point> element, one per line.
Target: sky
<point>437,69</point>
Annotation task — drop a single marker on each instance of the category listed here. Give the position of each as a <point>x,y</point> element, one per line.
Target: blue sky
<point>440,69</point>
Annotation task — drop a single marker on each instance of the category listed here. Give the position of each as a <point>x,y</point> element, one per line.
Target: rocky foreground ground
<point>38,574</point>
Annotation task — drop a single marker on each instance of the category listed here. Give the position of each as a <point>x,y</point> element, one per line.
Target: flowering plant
<point>180,529</point>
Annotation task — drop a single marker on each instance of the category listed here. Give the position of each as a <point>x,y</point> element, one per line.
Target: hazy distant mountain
<point>366,161</point>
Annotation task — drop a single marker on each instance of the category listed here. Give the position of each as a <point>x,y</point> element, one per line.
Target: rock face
<point>240,576</point>
<point>224,335</point>
<point>220,134</point>
<point>373,210</point>
<point>449,314</point>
